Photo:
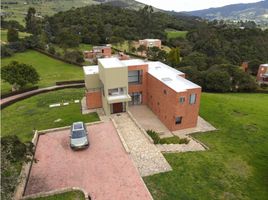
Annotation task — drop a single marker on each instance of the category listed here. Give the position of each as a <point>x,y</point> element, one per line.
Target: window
<point>165,92</point>
<point>134,77</point>
<point>116,91</point>
<point>192,99</point>
<point>182,100</point>
<point>178,120</point>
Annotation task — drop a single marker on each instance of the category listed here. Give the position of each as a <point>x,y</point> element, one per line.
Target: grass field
<point>74,195</point>
<point>235,167</point>
<point>171,33</point>
<point>34,113</point>
<point>49,69</point>
<point>4,35</point>
<point>82,47</point>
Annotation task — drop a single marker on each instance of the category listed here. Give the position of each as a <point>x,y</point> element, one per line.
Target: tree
<point>32,25</point>
<point>253,66</point>
<point>12,35</point>
<point>173,57</point>
<point>19,75</point>
<point>217,81</point>
<point>154,53</point>
<point>141,49</point>
<point>67,38</point>
<point>74,56</point>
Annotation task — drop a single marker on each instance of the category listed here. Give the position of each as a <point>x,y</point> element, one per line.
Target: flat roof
<point>133,62</point>
<point>93,69</point>
<point>111,62</point>
<point>151,40</point>
<point>170,77</point>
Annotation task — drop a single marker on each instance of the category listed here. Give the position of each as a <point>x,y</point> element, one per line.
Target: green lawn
<point>74,195</point>
<point>82,47</point>
<point>34,113</point>
<point>235,167</point>
<point>49,69</point>
<point>171,33</point>
<point>4,35</point>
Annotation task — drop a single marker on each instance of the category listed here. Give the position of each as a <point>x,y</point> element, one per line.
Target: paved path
<point>14,98</point>
<point>104,170</point>
<point>148,159</point>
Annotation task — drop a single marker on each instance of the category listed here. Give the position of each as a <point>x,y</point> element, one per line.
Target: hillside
<point>17,9</point>
<point>257,12</point>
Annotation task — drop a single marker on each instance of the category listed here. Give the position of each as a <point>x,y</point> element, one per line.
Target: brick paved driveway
<point>104,170</point>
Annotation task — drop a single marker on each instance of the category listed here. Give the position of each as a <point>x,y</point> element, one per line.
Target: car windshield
<point>78,134</point>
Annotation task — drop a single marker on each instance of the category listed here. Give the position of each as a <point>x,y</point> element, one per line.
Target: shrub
<point>169,140</point>
<point>6,52</point>
<point>12,35</point>
<point>51,50</point>
<point>13,154</point>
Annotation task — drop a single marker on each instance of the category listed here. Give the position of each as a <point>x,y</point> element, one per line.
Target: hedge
<point>18,92</point>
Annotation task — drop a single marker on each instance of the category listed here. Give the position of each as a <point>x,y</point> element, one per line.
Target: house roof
<point>133,62</point>
<point>164,73</point>
<point>151,40</point>
<point>170,77</point>
<point>111,62</point>
<point>94,69</point>
<point>264,65</point>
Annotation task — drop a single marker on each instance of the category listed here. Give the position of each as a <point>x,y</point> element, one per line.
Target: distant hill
<point>17,9</point>
<point>257,12</point>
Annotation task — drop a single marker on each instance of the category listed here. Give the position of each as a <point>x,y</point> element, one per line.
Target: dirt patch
<point>238,113</point>
<point>251,127</point>
<point>239,167</point>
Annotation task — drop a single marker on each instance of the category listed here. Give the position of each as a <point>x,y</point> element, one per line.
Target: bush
<point>6,52</point>
<point>12,35</point>
<point>18,46</point>
<point>74,56</point>
<point>51,50</point>
<point>169,140</point>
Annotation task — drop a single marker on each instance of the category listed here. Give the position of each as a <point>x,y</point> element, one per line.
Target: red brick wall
<point>167,106</point>
<point>140,87</point>
<point>93,100</point>
<point>107,52</point>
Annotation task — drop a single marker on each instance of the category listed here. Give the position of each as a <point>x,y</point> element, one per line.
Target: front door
<point>117,107</point>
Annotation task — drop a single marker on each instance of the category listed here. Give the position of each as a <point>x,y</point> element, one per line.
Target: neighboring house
<point>114,85</point>
<point>99,52</point>
<point>150,43</point>
<point>262,76</point>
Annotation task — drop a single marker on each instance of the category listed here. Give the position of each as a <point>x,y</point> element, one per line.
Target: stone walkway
<point>146,156</point>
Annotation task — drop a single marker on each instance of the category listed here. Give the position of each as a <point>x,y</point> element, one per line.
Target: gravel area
<point>146,156</point>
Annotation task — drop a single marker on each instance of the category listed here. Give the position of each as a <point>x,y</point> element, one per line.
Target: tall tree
<point>173,57</point>
<point>31,21</point>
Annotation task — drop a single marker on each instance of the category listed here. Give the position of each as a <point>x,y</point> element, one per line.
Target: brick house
<point>99,52</point>
<point>114,85</point>
<point>262,76</point>
<point>150,43</point>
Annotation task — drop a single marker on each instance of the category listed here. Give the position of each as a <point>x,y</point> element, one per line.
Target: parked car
<point>79,136</point>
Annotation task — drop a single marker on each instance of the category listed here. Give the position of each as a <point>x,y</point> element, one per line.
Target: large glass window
<point>134,77</point>
<point>192,99</point>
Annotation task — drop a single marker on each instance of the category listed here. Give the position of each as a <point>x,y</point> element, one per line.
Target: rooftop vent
<point>158,67</point>
<point>166,79</point>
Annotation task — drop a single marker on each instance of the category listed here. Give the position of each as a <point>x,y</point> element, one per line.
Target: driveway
<point>104,170</point>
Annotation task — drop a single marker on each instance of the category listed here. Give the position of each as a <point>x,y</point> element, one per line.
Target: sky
<point>190,5</point>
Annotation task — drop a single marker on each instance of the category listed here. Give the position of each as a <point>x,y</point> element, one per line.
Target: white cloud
<point>189,5</point>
